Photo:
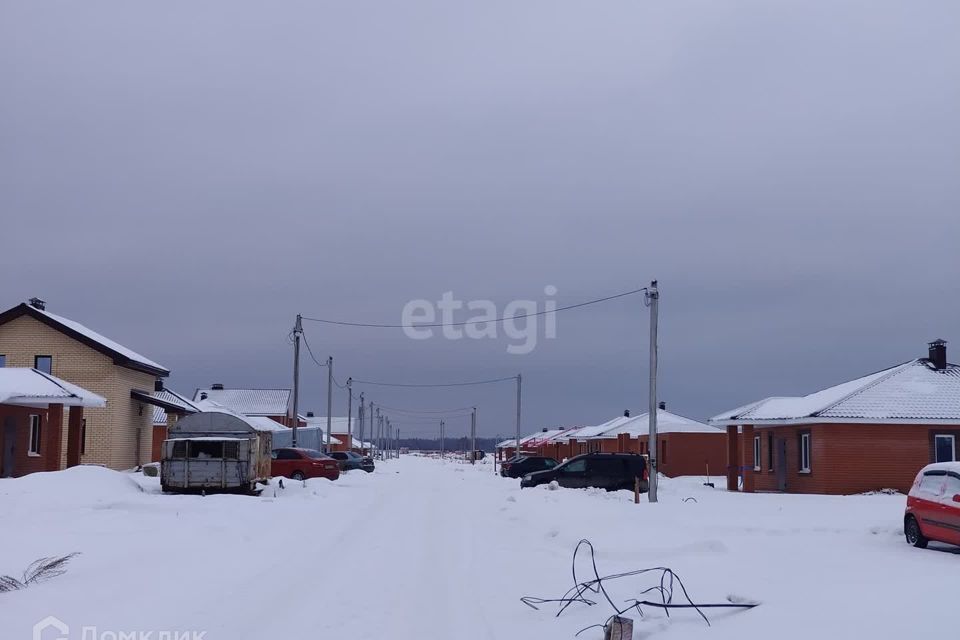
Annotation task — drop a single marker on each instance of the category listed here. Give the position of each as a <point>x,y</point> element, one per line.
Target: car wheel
<point>297,475</point>
<point>911,529</point>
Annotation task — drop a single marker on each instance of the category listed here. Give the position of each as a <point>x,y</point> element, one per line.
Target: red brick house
<point>33,409</point>
<point>686,447</point>
<point>870,433</point>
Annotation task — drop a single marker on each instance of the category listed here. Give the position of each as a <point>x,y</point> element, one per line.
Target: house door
<point>9,444</point>
<point>781,464</point>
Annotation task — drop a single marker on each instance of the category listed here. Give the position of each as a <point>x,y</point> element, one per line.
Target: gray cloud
<point>187,177</point>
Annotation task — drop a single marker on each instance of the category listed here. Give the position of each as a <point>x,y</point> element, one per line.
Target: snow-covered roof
<point>600,429</point>
<point>249,402</point>
<point>121,354</point>
<point>159,416</point>
<point>667,422</point>
<point>541,437</point>
<point>563,435</point>
<point>171,398</point>
<point>264,423</point>
<point>32,388</point>
<point>913,391</point>
<point>257,423</point>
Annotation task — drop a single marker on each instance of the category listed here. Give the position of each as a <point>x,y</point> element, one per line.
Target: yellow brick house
<point>118,435</point>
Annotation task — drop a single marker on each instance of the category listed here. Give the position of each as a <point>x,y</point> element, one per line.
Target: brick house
<point>268,403</point>
<point>118,435</point>
<point>870,433</point>
<point>686,447</point>
<point>34,406</point>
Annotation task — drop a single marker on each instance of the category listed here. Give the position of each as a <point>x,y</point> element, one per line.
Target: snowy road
<point>424,549</point>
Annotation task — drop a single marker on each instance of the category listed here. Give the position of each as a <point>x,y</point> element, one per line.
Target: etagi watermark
<point>53,628</point>
<point>520,320</point>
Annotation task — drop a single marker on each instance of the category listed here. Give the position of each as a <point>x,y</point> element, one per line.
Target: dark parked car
<point>303,463</point>
<point>610,471</point>
<point>349,460</point>
<point>516,466</point>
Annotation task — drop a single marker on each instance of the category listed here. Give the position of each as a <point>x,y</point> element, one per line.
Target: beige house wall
<point>118,435</point>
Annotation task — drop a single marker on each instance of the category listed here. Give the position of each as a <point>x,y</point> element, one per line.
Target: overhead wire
<point>498,319</point>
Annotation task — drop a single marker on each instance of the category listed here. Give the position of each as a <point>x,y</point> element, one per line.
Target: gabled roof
<point>121,355</point>
<point>600,429</point>
<point>912,392</point>
<point>667,422</point>
<point>163,400</point>
<point>32,388</point>
<point>249,402</point>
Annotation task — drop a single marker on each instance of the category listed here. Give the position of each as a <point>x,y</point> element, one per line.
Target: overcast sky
<point>185,177</point>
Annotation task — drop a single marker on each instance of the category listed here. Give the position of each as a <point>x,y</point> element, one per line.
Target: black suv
<point>522,465</point>
<point>352,460</point>
<point>610,471</point>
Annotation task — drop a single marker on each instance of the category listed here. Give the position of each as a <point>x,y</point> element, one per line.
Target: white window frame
<point>804,453</point>
<point>36,425</point>
<point>756,453</point>
<point>953,445</point>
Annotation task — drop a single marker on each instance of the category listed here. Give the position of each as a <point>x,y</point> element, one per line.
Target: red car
<point>303,463</point>
<point>933,506</point>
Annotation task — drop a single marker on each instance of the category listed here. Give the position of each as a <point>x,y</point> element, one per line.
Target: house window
<point>770,451</point>
<point>804,453</point>
<point>43,363</point>
<point>33,447</point>
<point>83,436</point>
<point>944,448</point>
<point>756,453</point>
<point>663,452</point>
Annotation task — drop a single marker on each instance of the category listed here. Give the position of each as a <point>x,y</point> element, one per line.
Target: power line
<point>449,384</point>
<point>429,411</point>
<point>466,322</point>
<point>303,334</point>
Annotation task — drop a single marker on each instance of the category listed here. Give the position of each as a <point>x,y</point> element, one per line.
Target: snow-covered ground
<point>429,549</point>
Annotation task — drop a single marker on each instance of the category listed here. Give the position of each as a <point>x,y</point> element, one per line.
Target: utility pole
<point>388,434</point>
<point>372,452</point>
<point>350,412</point>
<point>361,418</point>
<point>441,439</point>
<point>516,449</point>
<point>297,330</point>
<point>652,299</point>
<point>329,400</point>
<point>473,436</point>
<point>377,438</point>
<point>398,443</point>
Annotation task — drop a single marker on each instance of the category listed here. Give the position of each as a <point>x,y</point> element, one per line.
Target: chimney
<point>309,414</point>
<point>626,413</point>
<point>158,384</point>
<point>203,395</point>
<point>662,405</point>
<point>37,303</point>
<point>938,354</point>
<point>544,429</point>
<point>217,386</point>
